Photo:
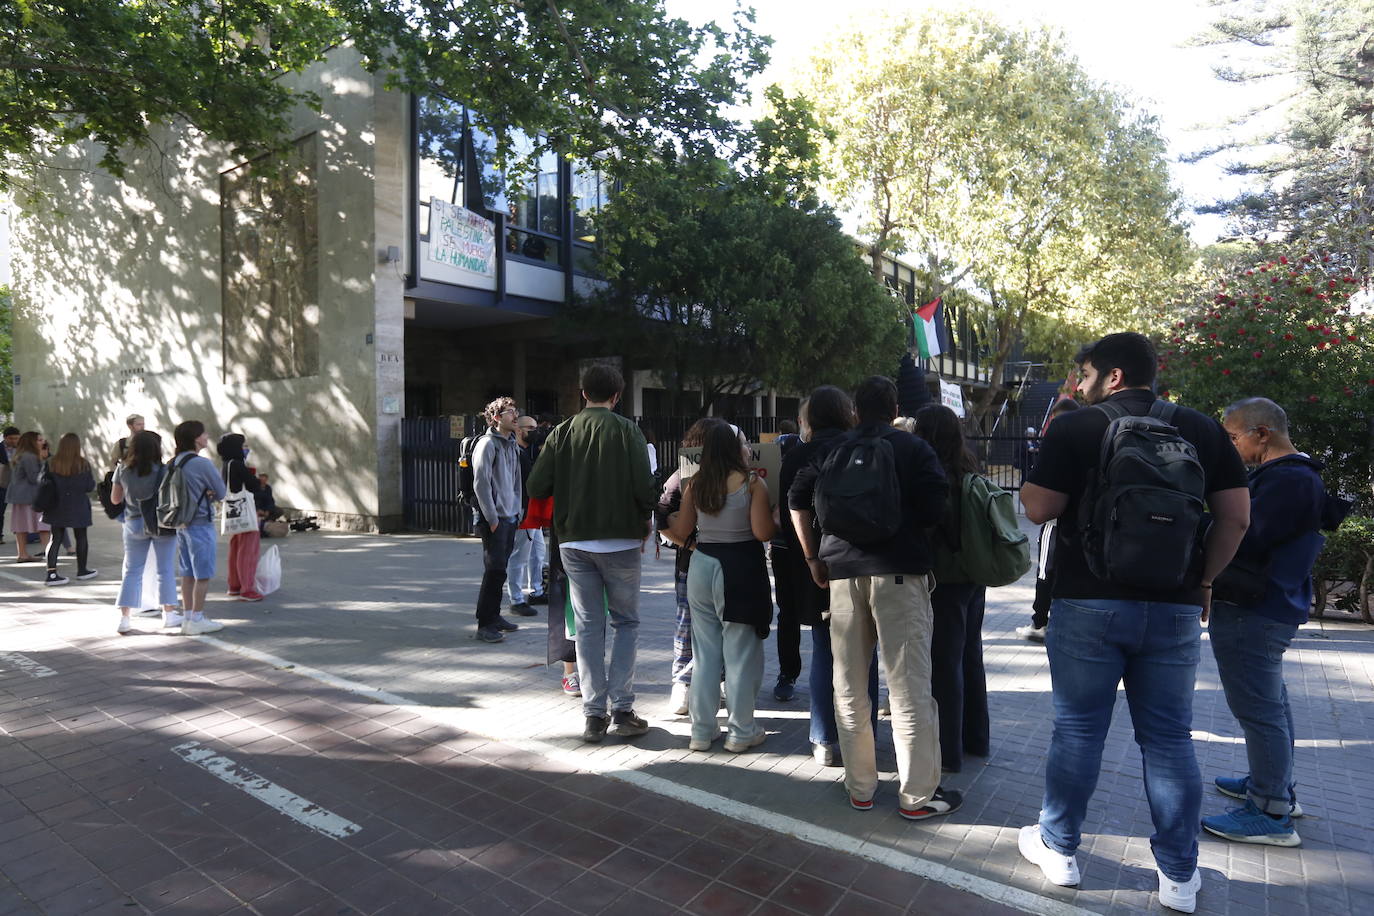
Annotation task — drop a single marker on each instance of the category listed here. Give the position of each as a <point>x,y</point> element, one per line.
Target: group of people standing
<point>896,601</point>
<point>183,555</point>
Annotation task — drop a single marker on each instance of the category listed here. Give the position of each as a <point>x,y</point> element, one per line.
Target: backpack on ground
<point>1140,514</point>
<point>993,550</point>
<point>467,479</point>
<point>176,507</point>
<point>858,493</point>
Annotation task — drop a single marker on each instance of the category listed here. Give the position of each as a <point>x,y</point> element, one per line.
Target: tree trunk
<point>1319,593</point>
<point>1365,578</point>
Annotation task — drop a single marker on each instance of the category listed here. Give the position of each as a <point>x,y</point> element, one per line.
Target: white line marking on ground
<point>760,817</point>
<point>25,664</point>
<point>301,810</point>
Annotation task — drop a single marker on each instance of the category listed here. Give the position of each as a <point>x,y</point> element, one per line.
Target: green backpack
<point>993,550</point>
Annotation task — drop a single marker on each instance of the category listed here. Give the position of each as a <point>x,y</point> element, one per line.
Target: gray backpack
<point>176,507</point>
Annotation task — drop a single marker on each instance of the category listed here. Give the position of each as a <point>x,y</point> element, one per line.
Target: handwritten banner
<point>765,460</point>
<point>460,238</point>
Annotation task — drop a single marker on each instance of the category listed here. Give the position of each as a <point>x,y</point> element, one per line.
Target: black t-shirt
<point>1069,454</point>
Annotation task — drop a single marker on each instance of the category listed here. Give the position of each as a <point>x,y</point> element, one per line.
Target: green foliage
<point>6,352</point>
<point>989,152</point>
<point>586,75</point>
<point>712,283</point>
<point>1284,329</point>
<point>1310,148</point>
<point>1348,557</point>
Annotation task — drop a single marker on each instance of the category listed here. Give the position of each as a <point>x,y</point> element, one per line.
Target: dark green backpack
<point>993,550</point>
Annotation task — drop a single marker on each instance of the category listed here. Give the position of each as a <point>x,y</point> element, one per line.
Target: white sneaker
<point>172,620</point>
<point>1058,868</point>
<point>702,744</point>
<point>740,745</point>
<point>193,627</point>
<point>1033,634</point>
<point>125,625</point>
<point>677,700</point>
<point>1176,896</point>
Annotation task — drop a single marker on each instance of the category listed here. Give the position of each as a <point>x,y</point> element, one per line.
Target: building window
<point>591,192</point>
<point>535,228</point>
<point>456,161</point>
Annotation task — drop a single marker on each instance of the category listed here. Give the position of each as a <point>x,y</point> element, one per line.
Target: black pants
<point>957,678</point>
<point>789,566</point>
<point>83,548</point>
<point>497,545</point>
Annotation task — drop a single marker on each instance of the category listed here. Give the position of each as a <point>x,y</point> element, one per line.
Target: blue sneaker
<point>1239,787</point>
<point>1248,824</point>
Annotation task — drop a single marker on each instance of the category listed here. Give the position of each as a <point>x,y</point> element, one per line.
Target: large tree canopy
<point>583,75</point>
<point>989,153</point>
<point>1309,147</point>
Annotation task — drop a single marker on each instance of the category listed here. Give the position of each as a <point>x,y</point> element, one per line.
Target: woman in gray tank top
<point>727,588</point>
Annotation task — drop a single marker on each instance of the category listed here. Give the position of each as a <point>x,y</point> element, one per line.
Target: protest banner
<point>765,460</point>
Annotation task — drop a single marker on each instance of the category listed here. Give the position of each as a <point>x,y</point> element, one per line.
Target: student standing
<point>496,481</point>
<point>25,466</point>
<point>11,440</point>
<point>135,486</point>
<point>196,541</point>
<point>245,546</point>
<point>73,510</point>
<point>727,587</point>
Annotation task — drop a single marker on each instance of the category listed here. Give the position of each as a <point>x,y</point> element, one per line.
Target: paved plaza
<point>346,746</point>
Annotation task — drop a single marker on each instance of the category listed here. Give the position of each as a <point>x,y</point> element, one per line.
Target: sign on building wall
<point>952,396</point>
<point>461,238</point>
<point>765,460</point>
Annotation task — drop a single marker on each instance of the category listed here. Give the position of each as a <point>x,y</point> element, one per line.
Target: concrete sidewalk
<point>391,618</point>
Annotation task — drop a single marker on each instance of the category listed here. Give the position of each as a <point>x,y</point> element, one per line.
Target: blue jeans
<point>1154,647</point>
<point>196,550</point>
<point>137,543</point>
<point>525,570</point>
<point>1249,652</point>
<point>720,645</point>
<point>822,683</point>
<point>602,585</point>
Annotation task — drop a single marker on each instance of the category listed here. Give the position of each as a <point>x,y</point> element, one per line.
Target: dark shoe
<point>943,801</point>
<point>537,599</point>
<point>54,578</point>
<point>596,729</point>
<point>626,724</point>
<point>786,688</point>
<point>490,634</point>
<point>522,610</point>
<point>505,625</point>
<point>87,574</point>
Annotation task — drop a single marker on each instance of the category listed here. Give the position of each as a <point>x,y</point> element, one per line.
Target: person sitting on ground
<point>727,587</point>
<point>268,510</point>
<point>73,509</point>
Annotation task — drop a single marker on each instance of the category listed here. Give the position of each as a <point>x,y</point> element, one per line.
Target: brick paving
<point>394,614</point>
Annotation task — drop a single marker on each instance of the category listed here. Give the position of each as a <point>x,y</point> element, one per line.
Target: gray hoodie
<point>496,476</point>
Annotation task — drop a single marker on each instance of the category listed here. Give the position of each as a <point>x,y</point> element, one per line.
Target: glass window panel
<point>439,135</point>
<point>531,246</point>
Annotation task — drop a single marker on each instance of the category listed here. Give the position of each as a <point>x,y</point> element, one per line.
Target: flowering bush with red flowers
<point>1284,330</point>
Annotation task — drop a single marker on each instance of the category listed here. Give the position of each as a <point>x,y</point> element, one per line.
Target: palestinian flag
<point>928,328</point>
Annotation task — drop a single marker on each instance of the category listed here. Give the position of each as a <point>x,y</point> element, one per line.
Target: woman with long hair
<point>75,481</point>
<point>958,680</point>
<point>136,481</point>
<point>669,501</point>
<point>244,548</point>
<point>727,588</point>
<point>25,468</point>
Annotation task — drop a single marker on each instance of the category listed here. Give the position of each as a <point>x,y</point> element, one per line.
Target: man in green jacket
<point>596,468</point>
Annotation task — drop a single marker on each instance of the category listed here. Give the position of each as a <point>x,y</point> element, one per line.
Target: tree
<point>1284,329</point>
<point>717,286</point>
<point>1310,147</point>
<point>582,75</point>
<point>988,152</point>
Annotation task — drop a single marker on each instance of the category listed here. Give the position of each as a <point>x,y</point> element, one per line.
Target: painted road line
<point>24,664</point>
<point>301,810</point>
<point>1005,894</point>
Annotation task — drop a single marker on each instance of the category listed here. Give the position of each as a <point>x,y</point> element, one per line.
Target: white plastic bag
<point>268,579</point>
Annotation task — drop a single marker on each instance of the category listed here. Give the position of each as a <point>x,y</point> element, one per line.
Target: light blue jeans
<point>1154,647</point>
<point>1249,651</point>
<point>717,644</point>
<point>137,543</point>
<point>525,571</point>
<point>605,585</point>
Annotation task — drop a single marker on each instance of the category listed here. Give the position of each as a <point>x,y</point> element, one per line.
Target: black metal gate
<point>429,475</point>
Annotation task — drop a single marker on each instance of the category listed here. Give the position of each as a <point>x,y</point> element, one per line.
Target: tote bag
<point>240,514</point>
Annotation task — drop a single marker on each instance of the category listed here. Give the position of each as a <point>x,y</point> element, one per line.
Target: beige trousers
<point>895,612</point>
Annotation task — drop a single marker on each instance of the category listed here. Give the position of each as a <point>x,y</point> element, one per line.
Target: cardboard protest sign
<point>765,460</point>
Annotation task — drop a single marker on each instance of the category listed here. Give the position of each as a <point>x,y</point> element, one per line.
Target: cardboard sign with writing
<point>765,460</point>
<point>461,238</point>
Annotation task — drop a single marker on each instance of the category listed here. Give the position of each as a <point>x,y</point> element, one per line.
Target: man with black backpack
<point>1127,480</point>
<point>874,492</point>
<point>496,488</point>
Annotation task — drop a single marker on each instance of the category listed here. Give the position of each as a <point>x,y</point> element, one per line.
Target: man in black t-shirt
<point>1102,633</point>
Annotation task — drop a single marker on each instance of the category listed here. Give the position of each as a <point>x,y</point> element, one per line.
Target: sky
<point>1136,48</point>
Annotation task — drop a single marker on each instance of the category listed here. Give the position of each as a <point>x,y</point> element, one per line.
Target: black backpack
<point>1140,515</point>
<point>858,493</point>
<point>467,481</point>
<point>47,497</point>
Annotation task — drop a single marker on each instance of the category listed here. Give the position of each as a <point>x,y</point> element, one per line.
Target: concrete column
<point>773,402</point>
<point>388,326</point>
<point>758,406</point>
<point>517,366</point>
<point>637,377</point>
